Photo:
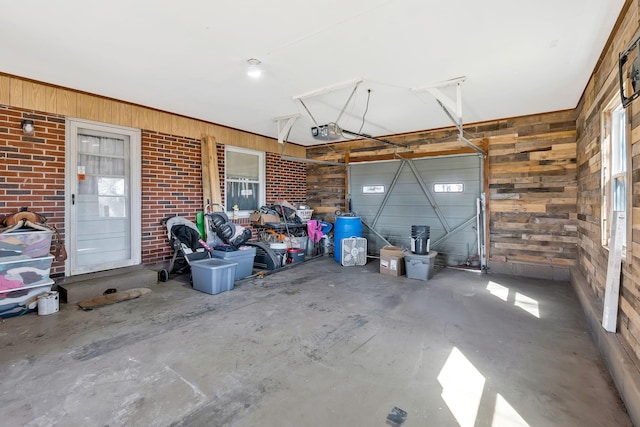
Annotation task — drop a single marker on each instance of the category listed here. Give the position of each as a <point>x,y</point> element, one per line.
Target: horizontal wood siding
<point>532,183</point>
<point>326,190</point>
<point>592,258</point>
<point>22,93</point>
<point>532,191</point>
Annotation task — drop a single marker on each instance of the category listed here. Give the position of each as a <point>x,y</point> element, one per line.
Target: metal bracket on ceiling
<point>450,106</point>
<point>284,126</point>
<point>327,89</point>
<point>444,99</point>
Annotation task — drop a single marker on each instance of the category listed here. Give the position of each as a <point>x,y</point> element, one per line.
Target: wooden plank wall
<point>531,181</point>
<point>592,257</point>
<point>532,191</point>
<point>326,190</point>
<point>22,93</point>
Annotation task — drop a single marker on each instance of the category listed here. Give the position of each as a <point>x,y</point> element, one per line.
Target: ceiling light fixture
<point>254,70</point>
<point>27,127</point>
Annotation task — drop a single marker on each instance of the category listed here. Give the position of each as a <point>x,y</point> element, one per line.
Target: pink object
<point>314,230</point>
<point>9,284</point>
<point>204,244</point>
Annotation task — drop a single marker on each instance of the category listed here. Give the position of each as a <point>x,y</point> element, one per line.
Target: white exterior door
<point>102,220</point>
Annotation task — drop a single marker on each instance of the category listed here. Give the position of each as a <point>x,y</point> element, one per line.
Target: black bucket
<point>420,239</point>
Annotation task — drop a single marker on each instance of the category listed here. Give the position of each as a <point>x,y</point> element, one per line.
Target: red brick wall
<point>171,185</point>
<point>32,167</point>
<point>286,180</point>
<point>32,170</point>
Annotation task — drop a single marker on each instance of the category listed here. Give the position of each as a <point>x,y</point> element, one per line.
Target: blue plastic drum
<point>345,226</point>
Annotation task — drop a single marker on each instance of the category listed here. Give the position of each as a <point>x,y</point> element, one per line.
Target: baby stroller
<point>184,238</point>
<point>188,246</point>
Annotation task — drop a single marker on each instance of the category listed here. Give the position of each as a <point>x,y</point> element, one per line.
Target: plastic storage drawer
<point>25,242</point>
<point>17,272</point>
<point>14,302</point>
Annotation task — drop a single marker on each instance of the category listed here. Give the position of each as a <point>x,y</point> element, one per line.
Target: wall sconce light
<point>27,127</point>
<point>254,70</point>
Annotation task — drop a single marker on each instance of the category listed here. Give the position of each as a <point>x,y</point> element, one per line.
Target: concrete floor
<point>316,345</point>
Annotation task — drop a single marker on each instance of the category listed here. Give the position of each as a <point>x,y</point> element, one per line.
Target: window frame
<point>614,146</point>
<point>261,179</point>
<point>444,186</point>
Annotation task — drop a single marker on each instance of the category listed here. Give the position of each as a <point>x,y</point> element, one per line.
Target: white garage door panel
<point>452,221</point>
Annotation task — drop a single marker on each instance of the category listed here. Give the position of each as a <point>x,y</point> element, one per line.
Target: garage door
<point>441,192</point>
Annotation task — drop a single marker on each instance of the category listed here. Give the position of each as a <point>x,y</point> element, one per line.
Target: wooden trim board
<point>210,177</point>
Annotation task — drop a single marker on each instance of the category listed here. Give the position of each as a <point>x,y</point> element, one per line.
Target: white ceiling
<point>189,56</point>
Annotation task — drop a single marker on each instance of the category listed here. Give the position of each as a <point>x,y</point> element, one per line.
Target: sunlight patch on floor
<point>498,290</point>
<point>505,416</point>
<point>462,387</point>
<point>520,300</point>
<point>527,304</point>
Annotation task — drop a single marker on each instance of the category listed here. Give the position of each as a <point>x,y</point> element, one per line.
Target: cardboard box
<point>261,219</point>
<point>391,251</point>
<point>391,261</point>
<point>392,266</point>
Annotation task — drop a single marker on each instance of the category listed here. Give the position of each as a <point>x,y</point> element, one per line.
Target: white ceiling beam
<point>328,89</point>
<point>284,126</point>
<point>451,107</point>
<point>454,105</point>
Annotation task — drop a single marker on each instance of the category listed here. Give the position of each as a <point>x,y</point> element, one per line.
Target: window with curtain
<point>103,162</point>
<point>614,169</point>
<point>244,179</point>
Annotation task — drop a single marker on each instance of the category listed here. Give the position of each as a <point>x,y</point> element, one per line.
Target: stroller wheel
<point>163,275</point>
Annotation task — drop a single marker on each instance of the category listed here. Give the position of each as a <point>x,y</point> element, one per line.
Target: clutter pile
<point>287,235</point>
<point>25,263</point>
<point>194,249</point>
<point>417,263</point>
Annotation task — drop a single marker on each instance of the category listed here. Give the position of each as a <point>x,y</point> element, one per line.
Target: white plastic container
<point>304,214</point>
<point>280,250</point>
<point>48,303</point>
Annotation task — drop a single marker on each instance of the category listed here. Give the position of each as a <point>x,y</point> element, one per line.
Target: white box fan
<point>354,251</point>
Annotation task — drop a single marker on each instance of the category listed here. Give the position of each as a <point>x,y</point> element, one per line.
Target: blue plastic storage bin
<point>213,275</point>
<point>244,256</point>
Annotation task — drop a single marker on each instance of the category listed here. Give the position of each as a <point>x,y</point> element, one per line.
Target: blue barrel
<point>345,226</point>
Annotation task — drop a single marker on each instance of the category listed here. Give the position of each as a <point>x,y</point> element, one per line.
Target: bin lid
<point>212,263</point>
<point>409,254</point>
